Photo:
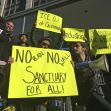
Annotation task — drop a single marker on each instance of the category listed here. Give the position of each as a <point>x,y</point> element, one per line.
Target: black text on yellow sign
<point>41,73</point>
<point>48,21</point>
<point>100,41</point>
<point>74,34</point>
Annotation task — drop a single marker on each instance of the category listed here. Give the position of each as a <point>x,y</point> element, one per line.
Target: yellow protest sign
<point>100,41</point>
<point>38,72</point>
<point>48,21</point>
<point>74,34</point>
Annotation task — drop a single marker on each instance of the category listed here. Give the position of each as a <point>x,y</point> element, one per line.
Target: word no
<point>26,56</point>
<point>55,58</point>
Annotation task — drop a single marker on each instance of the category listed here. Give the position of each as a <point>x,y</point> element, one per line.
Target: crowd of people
<point>94,85</point>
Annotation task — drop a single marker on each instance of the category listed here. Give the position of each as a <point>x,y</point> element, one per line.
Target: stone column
<point>2,6</point>
<point>29,4</point>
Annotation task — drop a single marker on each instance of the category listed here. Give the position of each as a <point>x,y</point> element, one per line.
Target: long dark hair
<point>84,45</point>
<point>75,56</point>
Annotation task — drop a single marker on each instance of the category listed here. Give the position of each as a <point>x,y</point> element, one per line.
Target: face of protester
<point>45,44</point>
<point>10,26</point>
<point>79,51</point>
<point>78,48</point>
<point>24,39</point>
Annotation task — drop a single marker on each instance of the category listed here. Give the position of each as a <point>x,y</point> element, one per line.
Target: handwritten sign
<point>48,21</point>
<point>38,72</point>
<point>100,41</point>
<point>74,35</point>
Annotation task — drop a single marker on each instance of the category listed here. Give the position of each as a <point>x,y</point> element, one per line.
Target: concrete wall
<point>28,4</point>
<point>86,14</point>
<point>0,6</point>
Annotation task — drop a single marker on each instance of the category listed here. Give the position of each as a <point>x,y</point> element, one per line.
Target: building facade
<point>75,13</point>
<point>24,12</point>
<point>2,5</point>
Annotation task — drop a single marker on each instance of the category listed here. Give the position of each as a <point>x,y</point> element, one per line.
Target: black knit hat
<point>45,38</point>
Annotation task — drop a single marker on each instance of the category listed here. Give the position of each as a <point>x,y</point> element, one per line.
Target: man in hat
<point>45,42</point>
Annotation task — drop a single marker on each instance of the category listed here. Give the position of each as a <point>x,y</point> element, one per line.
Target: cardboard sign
<point>74,35</point>
<point>48,21</point>
<point>100,41</point>
<point>38,72</point>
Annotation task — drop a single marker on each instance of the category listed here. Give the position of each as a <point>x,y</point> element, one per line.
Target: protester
<point>35,104</point>
<point>89,83</point>
<point>54,104</point>
<point>83,77</point>
<point>23,40</point>
<point>100,98</point>
<point>6,42</point>
<point>45,42</point>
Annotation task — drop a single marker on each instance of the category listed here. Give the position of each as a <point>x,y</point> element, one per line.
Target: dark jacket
<point>5,42</point>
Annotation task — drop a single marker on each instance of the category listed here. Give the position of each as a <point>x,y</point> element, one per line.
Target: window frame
<point>14,5</point>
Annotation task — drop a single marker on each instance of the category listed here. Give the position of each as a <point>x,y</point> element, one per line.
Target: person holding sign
<point>40,104</point>
<point>45,42</point>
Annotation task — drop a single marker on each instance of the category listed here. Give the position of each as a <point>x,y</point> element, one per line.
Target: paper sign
<point>100,41</point>
<point>73,35</point>
<point>38,72</point>
<point>48,21</point>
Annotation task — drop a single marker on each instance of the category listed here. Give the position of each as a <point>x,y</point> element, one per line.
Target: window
<point>40,2</point>
<point>35,2</point>
<point>13,6</point>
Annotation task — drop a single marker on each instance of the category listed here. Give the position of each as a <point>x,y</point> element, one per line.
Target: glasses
<point>45,44</point>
